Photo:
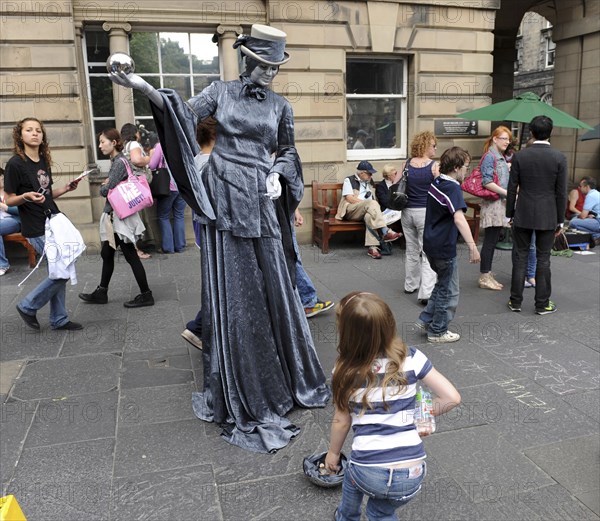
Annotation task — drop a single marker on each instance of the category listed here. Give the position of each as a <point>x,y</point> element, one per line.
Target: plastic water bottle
<point>424,419</point>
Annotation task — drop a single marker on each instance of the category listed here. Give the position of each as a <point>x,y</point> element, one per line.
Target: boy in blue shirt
<point>444,219</point>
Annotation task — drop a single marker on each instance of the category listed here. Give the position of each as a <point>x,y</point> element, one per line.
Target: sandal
<point>143,254</point>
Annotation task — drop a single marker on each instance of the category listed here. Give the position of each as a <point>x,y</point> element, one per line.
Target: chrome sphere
<point>120,62</point>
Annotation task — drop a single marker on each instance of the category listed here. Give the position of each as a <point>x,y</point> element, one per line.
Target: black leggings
<point>492,234</point>
<point>131,256</point>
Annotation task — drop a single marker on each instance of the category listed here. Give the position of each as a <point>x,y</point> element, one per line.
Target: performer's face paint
<point>263,74</point>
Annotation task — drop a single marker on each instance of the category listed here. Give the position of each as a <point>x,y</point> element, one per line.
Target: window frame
<point>376,154</point>
<point>190,75</point>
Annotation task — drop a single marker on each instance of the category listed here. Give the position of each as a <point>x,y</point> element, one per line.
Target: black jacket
<point>539,175</point>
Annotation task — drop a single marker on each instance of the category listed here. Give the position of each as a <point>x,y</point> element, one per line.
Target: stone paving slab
<point>574,464</point>
<point>153,370</point>
<point>182,494</point>
<point>277,497</point>
<point>15,420</point>
<point>70,481</point>
<point>73,419</point>
<point>492,461</point>
<point>156,404</point>
<point>159,446</point>
<point>554,503</point>
<point>69,376</point>
<point>468,363</point>
<point>20,342</point>
<point>587,403</point>
<point>525,414</point>
<point>100,335</point>
<point>8,373</point>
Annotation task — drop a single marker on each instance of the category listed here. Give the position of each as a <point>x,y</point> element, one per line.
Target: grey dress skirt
<point>259,360</point>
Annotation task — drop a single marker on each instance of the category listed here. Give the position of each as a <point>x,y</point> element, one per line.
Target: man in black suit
<point>539,175</point>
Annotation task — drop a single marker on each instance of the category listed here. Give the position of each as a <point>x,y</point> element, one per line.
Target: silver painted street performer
<point>258,358</point>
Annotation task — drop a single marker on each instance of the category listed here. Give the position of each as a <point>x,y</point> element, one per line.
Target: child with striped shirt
<point>374,387</point>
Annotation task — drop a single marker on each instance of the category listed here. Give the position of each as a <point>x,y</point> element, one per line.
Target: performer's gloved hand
<point>131,81</point>
<point>273,185</point>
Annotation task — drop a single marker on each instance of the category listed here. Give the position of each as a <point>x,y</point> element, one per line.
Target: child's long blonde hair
<point>367,330</point>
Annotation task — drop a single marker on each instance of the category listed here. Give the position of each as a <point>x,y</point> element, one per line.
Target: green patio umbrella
<point>592,134</point>
<point>523,109</point>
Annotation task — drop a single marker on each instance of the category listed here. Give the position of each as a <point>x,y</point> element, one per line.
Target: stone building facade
<point>388,68</point>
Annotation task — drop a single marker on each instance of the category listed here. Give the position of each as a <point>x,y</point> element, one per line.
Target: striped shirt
<point>386,437</point>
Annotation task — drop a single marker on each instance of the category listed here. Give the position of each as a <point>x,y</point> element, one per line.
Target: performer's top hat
<point>265,44</point>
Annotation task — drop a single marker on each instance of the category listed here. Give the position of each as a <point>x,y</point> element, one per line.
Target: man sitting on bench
<point>359,204</point>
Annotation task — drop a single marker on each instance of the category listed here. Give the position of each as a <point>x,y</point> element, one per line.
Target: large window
<point>185,62</point>
<point>376,108</point>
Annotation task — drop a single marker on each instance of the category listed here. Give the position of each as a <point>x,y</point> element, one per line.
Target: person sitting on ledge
<point>359,204</point>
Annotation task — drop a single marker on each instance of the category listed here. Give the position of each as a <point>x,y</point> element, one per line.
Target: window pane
<point>179,83</point>
<point>102,97</point>
<point>374,76</point>
<point>201,82</point>
<point>99,126</point>
<point>141,105</point>
<point>174,52</point>
<point>374,123</point>
<point>96,43</point>
<point>205,54</point>
<point>144,51</point>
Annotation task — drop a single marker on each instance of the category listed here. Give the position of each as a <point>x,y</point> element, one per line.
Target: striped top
<point>383,438</point>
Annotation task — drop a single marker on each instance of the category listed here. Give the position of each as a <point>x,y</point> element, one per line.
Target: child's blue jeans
<point>443,301</point>
<point>387,489</point>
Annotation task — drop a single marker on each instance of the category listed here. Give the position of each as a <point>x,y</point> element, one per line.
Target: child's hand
<point>332,462</point>
<point>474,257</point>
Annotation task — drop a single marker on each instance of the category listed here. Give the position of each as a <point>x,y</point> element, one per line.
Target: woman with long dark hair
<point>118,233</point>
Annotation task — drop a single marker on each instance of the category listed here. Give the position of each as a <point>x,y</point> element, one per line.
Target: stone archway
<point>576,33</point>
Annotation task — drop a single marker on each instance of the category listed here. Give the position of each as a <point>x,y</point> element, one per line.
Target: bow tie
<point>252,89</point>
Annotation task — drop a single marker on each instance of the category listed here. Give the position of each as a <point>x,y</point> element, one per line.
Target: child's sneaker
<point>422,326</point>
<point>447,337</point>
<point>550,308</point>
<point>514,307</point>
<point>319,307</point>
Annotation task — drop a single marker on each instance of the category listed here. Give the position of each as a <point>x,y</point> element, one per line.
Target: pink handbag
<point>131,195</point>
<point>473,183</point>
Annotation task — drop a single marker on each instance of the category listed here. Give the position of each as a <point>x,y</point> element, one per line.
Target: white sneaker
<point>447,337</point>
<point>192,339</point>
<point>3,271</point>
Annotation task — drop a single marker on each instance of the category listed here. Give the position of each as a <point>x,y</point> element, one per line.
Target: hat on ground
<point>318,475</point>
<point>365,166</point>
<point>265,44</point>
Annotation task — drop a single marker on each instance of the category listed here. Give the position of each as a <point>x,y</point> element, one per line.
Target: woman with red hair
<point>493,212</point>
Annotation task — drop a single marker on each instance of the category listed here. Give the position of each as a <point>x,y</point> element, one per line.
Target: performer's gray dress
<point>259,358</point>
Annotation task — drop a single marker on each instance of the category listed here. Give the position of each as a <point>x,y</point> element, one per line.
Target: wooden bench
<point>473,219</point>
<point>325,200</point>
<point>17,237</point>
